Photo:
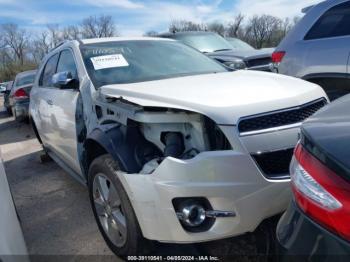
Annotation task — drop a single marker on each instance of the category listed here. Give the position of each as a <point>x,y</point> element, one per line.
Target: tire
<point>102,178</point>
<point>9,111</point>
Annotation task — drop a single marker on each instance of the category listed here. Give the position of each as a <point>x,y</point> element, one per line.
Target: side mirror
<point>64,80</point>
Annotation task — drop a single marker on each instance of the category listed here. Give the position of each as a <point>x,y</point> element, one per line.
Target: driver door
<point>62,110</point>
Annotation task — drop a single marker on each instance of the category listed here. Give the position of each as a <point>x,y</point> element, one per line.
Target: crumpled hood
<point>223,97</point>
<point>242,54</point>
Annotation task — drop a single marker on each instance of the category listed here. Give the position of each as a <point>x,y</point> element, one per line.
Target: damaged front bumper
<point>229,180</point>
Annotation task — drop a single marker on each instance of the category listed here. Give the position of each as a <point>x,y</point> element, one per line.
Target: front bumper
<point>299,236</point>
<point>230,180</point>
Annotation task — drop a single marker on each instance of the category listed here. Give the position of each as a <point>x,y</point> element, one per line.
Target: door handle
<point>49,102</point>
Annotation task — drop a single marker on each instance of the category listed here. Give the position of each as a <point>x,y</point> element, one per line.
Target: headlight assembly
<point>237,64</point>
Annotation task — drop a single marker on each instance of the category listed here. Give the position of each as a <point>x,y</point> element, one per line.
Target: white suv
<point>172,146</point>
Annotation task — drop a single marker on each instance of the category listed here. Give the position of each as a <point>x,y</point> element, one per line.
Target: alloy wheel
<point>109,210</point>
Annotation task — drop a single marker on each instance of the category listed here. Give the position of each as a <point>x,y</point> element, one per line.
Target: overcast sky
<point>134,17</point>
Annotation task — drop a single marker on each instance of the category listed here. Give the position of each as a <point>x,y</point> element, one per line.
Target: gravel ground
<point>55,212</point>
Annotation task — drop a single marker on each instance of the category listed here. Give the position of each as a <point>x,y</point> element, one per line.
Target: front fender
<point>116,141</point>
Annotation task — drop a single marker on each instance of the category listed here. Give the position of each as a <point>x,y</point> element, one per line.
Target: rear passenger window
<point>335,22</point>
<point>66,63</point>
<point>49,71</point>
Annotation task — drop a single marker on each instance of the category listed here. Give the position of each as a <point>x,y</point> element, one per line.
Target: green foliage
<point>8,72</point>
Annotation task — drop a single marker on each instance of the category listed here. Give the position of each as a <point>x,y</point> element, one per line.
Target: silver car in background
<point>224,51</point>
<point>12,245</point>
<point>318,48</point>
<point>19,95</point>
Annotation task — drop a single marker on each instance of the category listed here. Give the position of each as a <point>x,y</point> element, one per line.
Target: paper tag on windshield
<point>109,61</point>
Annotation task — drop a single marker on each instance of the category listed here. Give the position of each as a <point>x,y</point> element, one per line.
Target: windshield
<point>25,80</point>
<point>205,43</point>
<point>124,62</point>
<point>238,44</point>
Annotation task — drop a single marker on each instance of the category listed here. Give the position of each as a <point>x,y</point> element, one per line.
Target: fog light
<point>192,215</point>
<point>196,214</point>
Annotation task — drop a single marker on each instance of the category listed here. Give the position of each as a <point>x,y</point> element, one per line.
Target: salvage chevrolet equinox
<point>172,146</point>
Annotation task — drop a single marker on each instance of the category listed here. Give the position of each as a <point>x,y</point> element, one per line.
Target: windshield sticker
<point>109,61</point>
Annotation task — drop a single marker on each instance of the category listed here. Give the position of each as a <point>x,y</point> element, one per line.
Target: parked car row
<point>16,95</point>
<point>189,149</point>
<point>232,52</point>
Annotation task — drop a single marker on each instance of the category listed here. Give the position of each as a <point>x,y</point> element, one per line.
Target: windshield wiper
<point>225,49</point>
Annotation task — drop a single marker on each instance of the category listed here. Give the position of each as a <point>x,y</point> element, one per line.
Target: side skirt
<point>66,168</point>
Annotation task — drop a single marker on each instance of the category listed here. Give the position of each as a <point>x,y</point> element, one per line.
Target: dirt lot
<point>55,213</point>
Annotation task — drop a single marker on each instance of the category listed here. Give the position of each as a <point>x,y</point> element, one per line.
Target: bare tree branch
<point>217,27</point>
<point>97,27</point>
<point>184,25</point>
<point>17,39</point>
<point>234,28</point>
<point>260,29</point>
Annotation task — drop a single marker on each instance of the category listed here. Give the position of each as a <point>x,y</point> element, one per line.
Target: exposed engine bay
<point>163,132</point>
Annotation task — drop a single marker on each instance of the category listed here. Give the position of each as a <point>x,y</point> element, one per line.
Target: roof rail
<point>58,45</point>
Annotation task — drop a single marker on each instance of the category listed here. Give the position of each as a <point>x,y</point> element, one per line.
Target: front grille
<point>280,118</point>
<point>259,62</point>
<point>274,164</point>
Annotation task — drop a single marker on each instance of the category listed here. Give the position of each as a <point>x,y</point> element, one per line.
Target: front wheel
<point>112,209</point>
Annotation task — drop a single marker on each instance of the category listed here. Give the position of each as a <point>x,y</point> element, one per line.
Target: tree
<point>71,32</point>
<point>97,27</point>
<point>184,25</point>
<point>16,39</point>
<point>55,34</point>
<point>217,27</point>
<point>40,46</point>
<point>261,29</point>
<point>235,27</point>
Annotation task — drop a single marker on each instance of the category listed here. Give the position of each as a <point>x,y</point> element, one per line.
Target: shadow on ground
<point>12,131</point>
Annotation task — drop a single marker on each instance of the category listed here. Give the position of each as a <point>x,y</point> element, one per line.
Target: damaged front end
<point>157,133</point>
<point>187,178</point>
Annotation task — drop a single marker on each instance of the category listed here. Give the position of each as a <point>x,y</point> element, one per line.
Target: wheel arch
<point>113,139</point>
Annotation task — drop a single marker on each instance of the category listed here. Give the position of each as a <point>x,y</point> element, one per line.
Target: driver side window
<point>66,63</point>
<point>48,72</point>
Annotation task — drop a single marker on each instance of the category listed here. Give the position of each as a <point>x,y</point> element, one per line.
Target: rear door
<point>62,110</point>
